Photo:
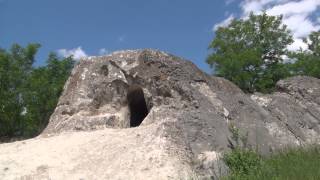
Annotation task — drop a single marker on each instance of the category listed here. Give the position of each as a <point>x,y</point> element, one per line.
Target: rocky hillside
<point>145,114</point>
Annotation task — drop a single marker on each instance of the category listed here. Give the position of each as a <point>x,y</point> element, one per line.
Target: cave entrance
<point>137,105</point>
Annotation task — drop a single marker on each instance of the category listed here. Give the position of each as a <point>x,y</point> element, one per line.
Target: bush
<point>242,163</point>
<point>290,164</point>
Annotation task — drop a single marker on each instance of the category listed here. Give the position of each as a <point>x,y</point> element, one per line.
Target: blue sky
<point>180,27</point>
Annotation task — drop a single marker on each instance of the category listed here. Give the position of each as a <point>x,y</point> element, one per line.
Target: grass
<point>290,164</point>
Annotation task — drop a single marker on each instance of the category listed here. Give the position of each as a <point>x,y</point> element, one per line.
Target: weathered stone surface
<point>187,120</point>
<point>296,109</point>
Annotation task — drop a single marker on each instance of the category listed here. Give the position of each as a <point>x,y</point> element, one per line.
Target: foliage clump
<point>293,163</point>
<point>28,94</point>
<point>307,62</point>
<point>253,53</point>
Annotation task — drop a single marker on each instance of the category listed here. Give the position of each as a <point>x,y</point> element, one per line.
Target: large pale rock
<point>145,114</point>
<point>296,109</point>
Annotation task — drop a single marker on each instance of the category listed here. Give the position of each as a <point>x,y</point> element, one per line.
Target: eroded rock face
<point>166,102</point>
<point>296,109</point>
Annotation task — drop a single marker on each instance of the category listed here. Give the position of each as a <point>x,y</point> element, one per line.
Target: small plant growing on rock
<point>237,139</point>
<point>242,160</point>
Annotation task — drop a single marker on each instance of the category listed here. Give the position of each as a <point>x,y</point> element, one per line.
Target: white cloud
<point>223,23</point>
<point>300,25</point>
<point>103,51</point>
<point>296,15</point>
<point>297,44</point>
<point>296,7</point>
<point>254,6</point>
<point>77,53</point>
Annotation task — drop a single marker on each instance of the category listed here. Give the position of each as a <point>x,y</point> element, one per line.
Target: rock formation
<point>145,114</point>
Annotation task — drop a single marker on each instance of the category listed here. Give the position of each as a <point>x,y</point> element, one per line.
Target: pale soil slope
<point>103,154</point>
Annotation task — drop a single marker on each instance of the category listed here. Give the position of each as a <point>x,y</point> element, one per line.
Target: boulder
<point>146,114</point>
<point>295,107</point>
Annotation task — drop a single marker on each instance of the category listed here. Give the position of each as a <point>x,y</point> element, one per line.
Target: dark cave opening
<point>137,105</point>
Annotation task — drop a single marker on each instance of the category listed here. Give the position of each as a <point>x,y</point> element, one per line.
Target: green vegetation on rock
<point>294,164</point>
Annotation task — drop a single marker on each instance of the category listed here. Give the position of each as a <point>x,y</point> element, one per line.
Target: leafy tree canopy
<point>308,61</point>
<point>28,94</point>
<point>250,52</point>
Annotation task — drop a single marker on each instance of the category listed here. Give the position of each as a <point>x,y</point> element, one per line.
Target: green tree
<point>43,91</point>
<point>15,67</point>
<point>250,52</point>
<point>28,95</point>
<point>314,43</point>
<point>308,61</point>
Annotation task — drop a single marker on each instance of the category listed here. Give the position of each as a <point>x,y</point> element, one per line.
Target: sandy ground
<point>135,153</point>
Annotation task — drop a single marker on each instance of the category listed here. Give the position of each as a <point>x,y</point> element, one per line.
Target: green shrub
<point>290,164</point>
<point>242,163</point>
